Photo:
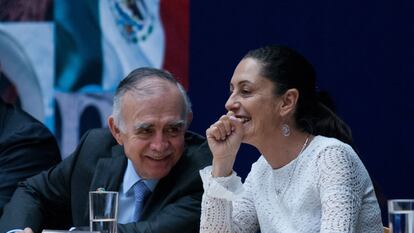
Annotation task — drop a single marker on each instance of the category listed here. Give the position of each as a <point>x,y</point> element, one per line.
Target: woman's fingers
<point>224,142</point>
<point>221,129</point>
<point>213,132</point>
<point>236,124</point>
<point>225,121</point>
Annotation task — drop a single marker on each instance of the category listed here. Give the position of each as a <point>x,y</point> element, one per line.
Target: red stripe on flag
<point>175,19</point>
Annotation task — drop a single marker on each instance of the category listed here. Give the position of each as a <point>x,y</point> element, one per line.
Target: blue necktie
<point>141,192</point>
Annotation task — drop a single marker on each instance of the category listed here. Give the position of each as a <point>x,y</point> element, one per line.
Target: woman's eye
<point>245,92</point>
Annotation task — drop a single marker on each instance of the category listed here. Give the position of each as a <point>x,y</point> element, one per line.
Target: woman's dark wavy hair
<point>288,69</point>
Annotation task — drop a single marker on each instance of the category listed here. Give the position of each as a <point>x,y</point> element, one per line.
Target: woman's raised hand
<point>224,138</point>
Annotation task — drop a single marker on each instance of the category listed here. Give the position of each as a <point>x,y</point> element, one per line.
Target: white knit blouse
<point>325,189</point>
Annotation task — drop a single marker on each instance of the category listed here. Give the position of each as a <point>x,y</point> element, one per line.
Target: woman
<point>308,179</point>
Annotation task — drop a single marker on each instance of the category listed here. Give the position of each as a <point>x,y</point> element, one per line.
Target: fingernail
<point>233,117</point>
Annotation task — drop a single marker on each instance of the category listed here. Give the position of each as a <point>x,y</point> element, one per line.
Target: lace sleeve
<point>226,206</point>
<point>342,182</point>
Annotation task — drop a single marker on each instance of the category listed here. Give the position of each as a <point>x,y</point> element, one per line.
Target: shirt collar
<point>131,177</point>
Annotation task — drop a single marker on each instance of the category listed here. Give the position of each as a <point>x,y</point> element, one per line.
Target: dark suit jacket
<point>26,148</point>
<point>59,198</point>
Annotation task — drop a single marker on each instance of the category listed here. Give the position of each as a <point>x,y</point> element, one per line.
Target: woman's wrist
<point>221,168</point>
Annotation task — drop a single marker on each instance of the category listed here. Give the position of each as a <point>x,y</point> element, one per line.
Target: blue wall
<point>363,54</point>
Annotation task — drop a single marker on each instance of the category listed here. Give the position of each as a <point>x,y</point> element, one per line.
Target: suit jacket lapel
<point>108,173</point>
<point>110,170</point>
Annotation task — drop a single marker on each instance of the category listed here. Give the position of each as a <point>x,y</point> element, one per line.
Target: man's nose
<point>159,142</point>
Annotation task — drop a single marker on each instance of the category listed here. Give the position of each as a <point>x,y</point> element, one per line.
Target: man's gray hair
<point>132,83</point>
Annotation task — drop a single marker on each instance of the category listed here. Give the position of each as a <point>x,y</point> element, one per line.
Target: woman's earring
<point>285,130</point>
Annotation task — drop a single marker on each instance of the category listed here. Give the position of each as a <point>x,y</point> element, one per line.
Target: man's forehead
<point>152,91</point>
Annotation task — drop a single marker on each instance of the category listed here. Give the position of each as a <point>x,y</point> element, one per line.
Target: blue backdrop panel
<point>363,54</point>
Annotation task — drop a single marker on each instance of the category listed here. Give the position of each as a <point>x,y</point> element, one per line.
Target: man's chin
<point>156,173</point>
<point>157,169</point>
<point>157,176</point>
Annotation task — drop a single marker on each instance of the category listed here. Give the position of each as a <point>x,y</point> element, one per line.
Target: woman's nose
<point>232,104</point>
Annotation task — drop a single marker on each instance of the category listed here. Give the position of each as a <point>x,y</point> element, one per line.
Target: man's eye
<point>144,131</point>
<point>174,130</point>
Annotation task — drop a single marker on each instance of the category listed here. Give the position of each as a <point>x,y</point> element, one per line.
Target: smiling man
<point>147,143</point>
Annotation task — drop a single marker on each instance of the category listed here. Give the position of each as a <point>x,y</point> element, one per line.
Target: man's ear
<point>116,132</point>
<point>289,100</point>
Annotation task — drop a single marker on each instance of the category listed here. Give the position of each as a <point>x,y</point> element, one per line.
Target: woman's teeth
<point>244,119</point>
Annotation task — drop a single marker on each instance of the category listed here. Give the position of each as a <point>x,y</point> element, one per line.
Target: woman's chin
<point>247,138</point>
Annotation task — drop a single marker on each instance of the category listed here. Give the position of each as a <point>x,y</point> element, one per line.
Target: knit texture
<point>325,189</point>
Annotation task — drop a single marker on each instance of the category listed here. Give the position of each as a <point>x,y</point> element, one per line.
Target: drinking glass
<point>401,215</point>
<point>103,211</point>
